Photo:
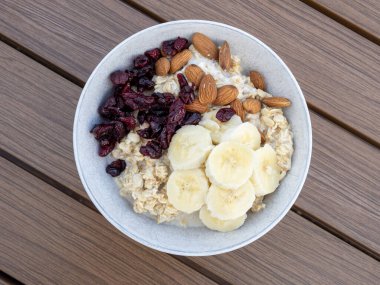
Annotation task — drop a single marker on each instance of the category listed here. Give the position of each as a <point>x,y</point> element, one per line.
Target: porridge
<point>193,136</point>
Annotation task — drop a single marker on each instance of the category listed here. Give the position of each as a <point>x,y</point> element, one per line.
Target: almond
<point>257,80</point>
<point>205,46</point>
<point>162,66</point>
<point>237,106</point>
<point>179,60</point>
<point>196,106</point>
<point>252,106</point>
<point>276,102</point>
<point>207,90</point>
<point>225,61</point>
<point>194,74</point>
<point>226,94</point>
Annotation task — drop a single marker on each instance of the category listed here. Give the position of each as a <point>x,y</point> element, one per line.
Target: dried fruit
<point>104,150</point>
<point>237,105</point>
<point>225,114</point>
<point>118,131</point>
<point>167,48</point>
<point>191,118</point>
<point>276,102</point>
<point>141,61</point>
<point>119,77</point>
<point>152,149</point>
<point>144,84</point>
<point>194,74</point>
<point>162,66</point>
<point>141,117</point>
<point>166,136</point>
<point>205,46</point>
<point>257,80</point>
<point>128,122</point>
<point>225,60</point>
<point>153,54</point>
<point>180,44</point>
<point>116,167</point>
<point>207,90</point>
<point>196,106</point>
<point>180,60</point>
<point>252,106</point>
<point>102,130</point>
<point>186,93</point>
<point>225,95</point>
<point>176,112</point>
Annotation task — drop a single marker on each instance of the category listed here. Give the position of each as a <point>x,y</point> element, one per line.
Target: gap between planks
<point>86,202</point>
<point>6,279</point>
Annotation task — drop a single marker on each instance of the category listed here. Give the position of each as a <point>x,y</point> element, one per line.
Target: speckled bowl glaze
<point>199,241</point>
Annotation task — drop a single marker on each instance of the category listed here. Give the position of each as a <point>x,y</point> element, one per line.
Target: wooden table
<point>52,234</point>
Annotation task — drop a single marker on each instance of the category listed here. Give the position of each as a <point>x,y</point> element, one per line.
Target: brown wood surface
<point>56,240</point>
<point>341,187</point>
<point>362,14</point>
<point>338,69</point>
<point>48,238</point>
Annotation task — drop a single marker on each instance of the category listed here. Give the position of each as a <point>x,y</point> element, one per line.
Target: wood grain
<point>74,35</point>
<point>48,238</point>
<point>341,188</point>
<point>56,240</point>
<point>337,69</point>
<point>362,15</point>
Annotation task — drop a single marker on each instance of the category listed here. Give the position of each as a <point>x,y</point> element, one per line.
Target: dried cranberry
<point>118,131</point>
<point>157,113</point>
<point>116,167</point>
<point>225,114</point>
<point>167,48</point>
<point>191,118</point>
<point>145,133</point>
<point>152,149</point>
<point>146,71</point>
<point>176,112</point>
<point>106,149</point>
<point>163,99</point>
<point>153,54</point>
<point>145,84</point>
<point>156,128</point>
<point>166,136</point>
<point>141,61</point>
<point>137,101</point>
<point>180,44</point>
<point>128,122</point>
<point>119,77</point>
<point>186,92</point>
<point>141,117</point>
<point>102,130</point>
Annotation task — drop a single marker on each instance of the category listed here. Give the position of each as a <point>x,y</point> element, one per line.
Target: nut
<point>196,106</point>
<point>179,60</point>
<point>237,106</point>
<point>226,94</point>
<point>205,46</point>
<point>257,80</point>
<point>276,102</point>
<point>225,60</point>
<point>194,74</point>
<point>207,90</point>
<point>162,66</point>
<point>252,106</point>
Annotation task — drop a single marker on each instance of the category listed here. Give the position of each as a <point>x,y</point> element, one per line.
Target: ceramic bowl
<point>191,241</point>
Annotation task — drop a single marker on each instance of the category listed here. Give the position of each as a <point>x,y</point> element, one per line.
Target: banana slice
<point>226,204</point>
<point>189,147</point>
<point>229,165</point>
<point>187,189</point>
<point>216,127</point>
<point>220,225</point>
<point>245,133</point>
<point>266,173</point>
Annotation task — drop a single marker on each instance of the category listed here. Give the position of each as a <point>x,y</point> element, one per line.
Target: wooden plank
<point>337,68</point>
<point>362,15</point>
<point>74,35</point>
<point>48,238</point>
<point>341,188</point>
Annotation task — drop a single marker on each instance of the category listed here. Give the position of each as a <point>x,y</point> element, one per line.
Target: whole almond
<point>226,94</point>
<point>207,90</point>
<point>194,74</point>
<point>196,106</point>
<point>162,66</point>
<point>179,60</point>
<point>257,80</point>
<point>276,102</point>
<point>205,46</point>
<point>252,106</point>
<point>237,106</point>
<point>225,61</point>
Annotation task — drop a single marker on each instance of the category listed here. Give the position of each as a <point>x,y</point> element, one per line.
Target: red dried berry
<point>141,61</point>
<point>153,54</point>
<point>186,92</point>
<point>128,122</point>
<point>116,167</point>
<point>118,131</point>
<point>176,112</point>
<point>225,114</point>
<point>163,99</point>
<point>106,149</point>
<point>119,77</point>
<point>180,44</point>
<point>145,84</point>
<point>191,118</point>
<point>102,130</point>
<point>152,149</point>
<point>167,48</point>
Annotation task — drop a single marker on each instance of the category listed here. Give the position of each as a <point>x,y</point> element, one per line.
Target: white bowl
<point>198,241</point>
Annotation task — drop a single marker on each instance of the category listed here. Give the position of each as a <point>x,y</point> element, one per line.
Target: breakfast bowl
<point>189,237</point>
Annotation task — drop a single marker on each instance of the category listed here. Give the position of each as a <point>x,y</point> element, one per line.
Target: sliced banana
<point>226,204</point>
<point>220,225</point>
<point>187,189</point>
<point>189,147</point>
<point>216,127</point>
<point>245,133</point>
<point>266,173</point>
<point>229,165</point>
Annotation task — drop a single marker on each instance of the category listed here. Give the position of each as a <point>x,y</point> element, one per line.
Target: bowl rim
<point>158,247</point>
